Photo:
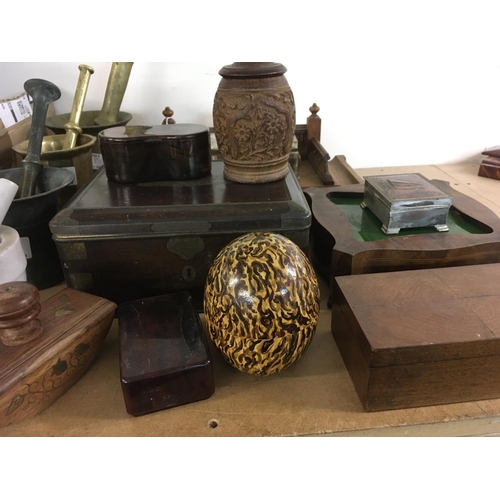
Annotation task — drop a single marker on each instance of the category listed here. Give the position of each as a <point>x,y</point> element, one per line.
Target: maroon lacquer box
<point>164,355</point>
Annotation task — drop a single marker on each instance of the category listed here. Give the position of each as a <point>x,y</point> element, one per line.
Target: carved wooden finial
<point>314,124</point>
<point>314,109</point>
<point>19,308</point>
<point>168,113</point>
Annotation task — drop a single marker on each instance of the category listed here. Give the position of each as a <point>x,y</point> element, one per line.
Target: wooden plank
<point>484,190</point>
<point>471,427</point>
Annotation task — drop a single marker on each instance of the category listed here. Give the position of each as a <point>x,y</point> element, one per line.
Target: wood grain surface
<point>417,338</point>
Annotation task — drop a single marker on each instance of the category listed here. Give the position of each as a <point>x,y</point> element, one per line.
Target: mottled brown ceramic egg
<point>261,303</point>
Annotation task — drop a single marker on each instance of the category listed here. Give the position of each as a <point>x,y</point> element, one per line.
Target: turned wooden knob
<point>19,308</point>
<point>314,124</point>
<point>314,109</point>
<point>168,113</point>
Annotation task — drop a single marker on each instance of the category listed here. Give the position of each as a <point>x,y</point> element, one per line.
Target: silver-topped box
<point>406,201</point>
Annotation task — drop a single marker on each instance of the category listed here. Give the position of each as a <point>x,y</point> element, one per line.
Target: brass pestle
<point>73,128</point>
<point>115,90</point>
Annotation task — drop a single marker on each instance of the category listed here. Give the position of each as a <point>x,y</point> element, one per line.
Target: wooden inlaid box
<point>420,338</point>
<point>164,356</point>
<point>130,241</point>
<point>35,374</point>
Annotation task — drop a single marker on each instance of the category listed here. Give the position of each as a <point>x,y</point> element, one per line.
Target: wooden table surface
<point>314,397</point>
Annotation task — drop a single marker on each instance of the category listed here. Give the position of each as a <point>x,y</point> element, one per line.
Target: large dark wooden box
<point>164,356</point>
<point>130,241</point>
<point>419,338</point>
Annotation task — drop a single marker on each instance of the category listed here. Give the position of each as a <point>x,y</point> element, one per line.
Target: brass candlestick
<point>73,128</point>
<point>115,90</point>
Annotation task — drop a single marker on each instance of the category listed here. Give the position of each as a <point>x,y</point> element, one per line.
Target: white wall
<point>398,83</point>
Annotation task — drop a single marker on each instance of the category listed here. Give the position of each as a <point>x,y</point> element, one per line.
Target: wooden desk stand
<point>336,250</point>
<point>335,171</point>
<point>35,370</point>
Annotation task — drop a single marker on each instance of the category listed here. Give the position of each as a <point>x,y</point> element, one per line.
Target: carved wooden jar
<point>254,121</point>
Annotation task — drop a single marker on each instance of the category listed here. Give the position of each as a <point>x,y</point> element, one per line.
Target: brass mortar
<point>53,155</point>
<point>56,124</point>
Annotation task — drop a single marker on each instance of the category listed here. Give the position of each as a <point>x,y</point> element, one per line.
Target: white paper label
<point>25,243</point>
<point>14,111</point>
<point>97,162</point>
<point>72,169</point>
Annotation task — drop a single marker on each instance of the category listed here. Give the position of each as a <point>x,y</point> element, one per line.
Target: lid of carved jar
<point>132,132</point>
<point>252,70</point>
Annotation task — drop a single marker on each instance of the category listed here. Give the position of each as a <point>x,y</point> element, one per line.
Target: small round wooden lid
<point>252,70</point>
<point>177,131</point>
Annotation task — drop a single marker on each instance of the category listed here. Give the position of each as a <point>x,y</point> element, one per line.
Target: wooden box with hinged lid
<point>131,241</point>
<point>420,338</point>
<point>406,201</point>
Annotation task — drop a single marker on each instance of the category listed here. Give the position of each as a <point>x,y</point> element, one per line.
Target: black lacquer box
<point>130,241</point>
<point>164,356</point>
<point>156,153</point>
